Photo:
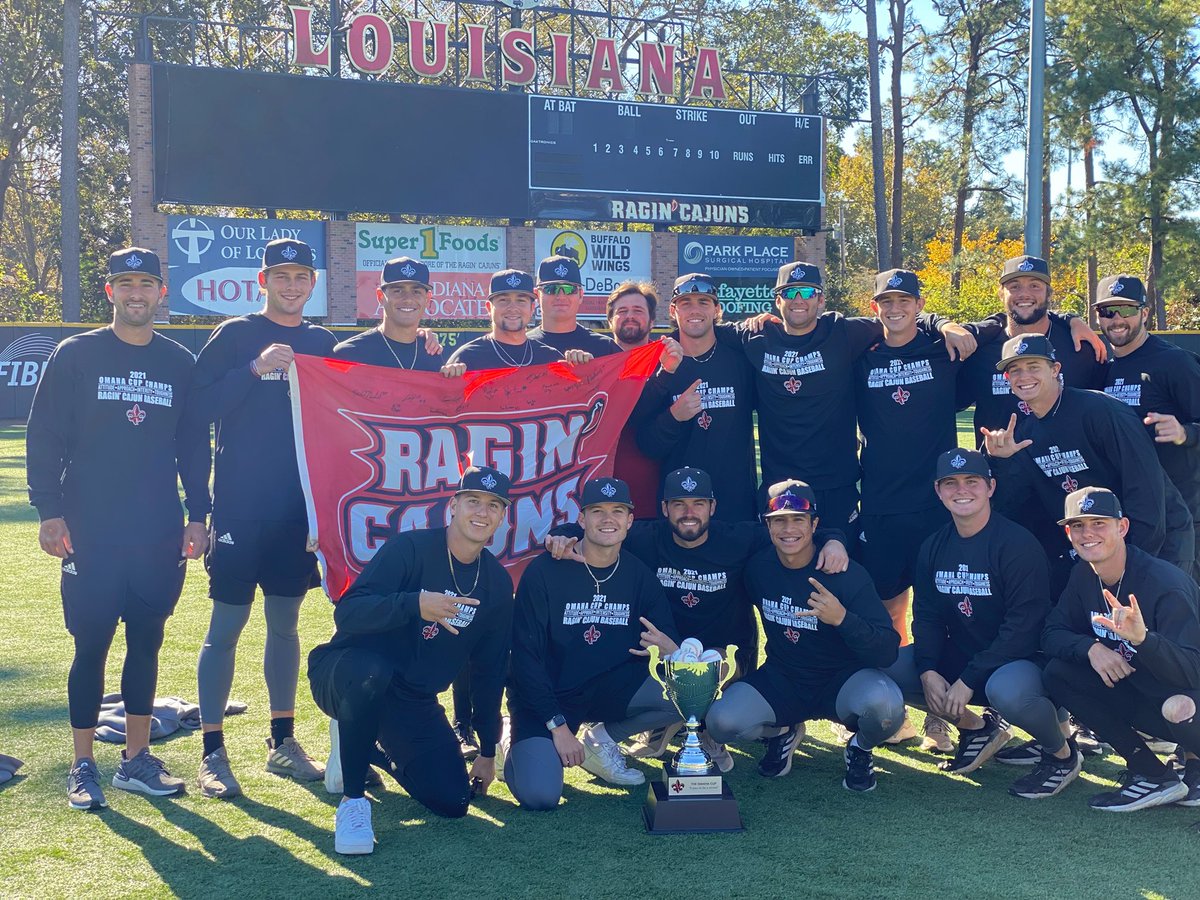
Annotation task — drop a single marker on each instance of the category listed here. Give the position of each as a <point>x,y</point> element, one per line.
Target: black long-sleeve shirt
<point>487,353</point>
<point>1169,657</point>
<point>579,338</point>
<point>987,595</point>
<point>375,348</point>
<point>110,431</point>
<point>568,632</point>
<point>381,612</point>
<point>256,474</point>
<point>808,650</point>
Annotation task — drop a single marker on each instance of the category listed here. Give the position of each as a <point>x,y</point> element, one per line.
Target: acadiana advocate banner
<point>213,263</point>
<point>461,261</point>
<point>381,450</point>
<point>606,258</point>
<point>744,268</point>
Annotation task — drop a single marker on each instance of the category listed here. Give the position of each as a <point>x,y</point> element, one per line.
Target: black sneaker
<point>1049,777</point>
<point>1141,792</point>
<point>1085,739</point>
<point>468,744</point>
<point>860,769</point>
<point>1191,780</point>
<point>777,761</point>
<point>1026,753</point>
<point>977,745</point>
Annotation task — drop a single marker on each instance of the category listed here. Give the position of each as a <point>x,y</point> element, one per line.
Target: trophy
<point>692,797</point>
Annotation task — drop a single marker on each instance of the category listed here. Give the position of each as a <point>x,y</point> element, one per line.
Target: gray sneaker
<point>83,786</point>
<point>216,778</point>
<point>146,774</point>
<point>290,759</point>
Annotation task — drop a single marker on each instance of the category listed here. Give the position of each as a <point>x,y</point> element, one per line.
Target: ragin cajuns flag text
<point>381,450</point>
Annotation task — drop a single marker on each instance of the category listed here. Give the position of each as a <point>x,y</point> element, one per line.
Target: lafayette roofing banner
<point>213,263</point>
<point>461,261</point>
<point>381,450</point>
<point>606,258</point>
<point>744,268</point>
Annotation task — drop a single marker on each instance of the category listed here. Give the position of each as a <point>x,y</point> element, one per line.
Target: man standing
<point>827,641</point>
<point>580,633</point>
<point>1124,642</point>
<point>428,604</point>
<point>396,343</point>
<point>630,310</point>
<point>109,434</point>
<point>560,293</point>
<point>1160,381</point>
<point>260,524</point>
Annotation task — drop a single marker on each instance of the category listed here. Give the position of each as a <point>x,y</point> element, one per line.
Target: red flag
<point>380,449</point>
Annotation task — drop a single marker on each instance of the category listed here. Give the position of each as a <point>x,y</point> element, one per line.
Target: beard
<point>689,533</point>
<point>632,333</point>
<point>1032,318</point>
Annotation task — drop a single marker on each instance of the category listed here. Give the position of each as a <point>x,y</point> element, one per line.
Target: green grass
<point>920,834</point>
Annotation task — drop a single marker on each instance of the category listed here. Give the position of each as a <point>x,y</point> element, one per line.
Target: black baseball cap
<point>688,482</point>
<point>605,490</point>
<point>789,498</point>
<point>134,261</point>
<point>1091,502</point>
<point>485,480</point>
<point>288,252</point>
<point>694,284</point>
<point>1026,346</point>
<point>511,280</point>
<point>558,270</point>
<point>404,269</point>
<point>962,462</point>
<point>798,273</point>
<point>1120,289</point>
<point>1025,265</point>
<point>897,281</point>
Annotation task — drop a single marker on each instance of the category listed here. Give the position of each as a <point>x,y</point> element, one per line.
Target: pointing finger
<point>820,587</point>
<point>1012,423</point>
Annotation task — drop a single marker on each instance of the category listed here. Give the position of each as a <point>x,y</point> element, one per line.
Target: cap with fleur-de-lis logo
<point>558,270</point>
<point>605,490</point>
<point>288,252</point>
<point>485,480</point>
<point>961,462</point>
<point>686,483</point>
<point>897,281</point>
<point>1093,502</point>
<point>1018,266</point>
<point>1120,290</point>
<point>511,280</point>
<point>404,269</point>
<point>1029,346</point>
<point>134,261</point>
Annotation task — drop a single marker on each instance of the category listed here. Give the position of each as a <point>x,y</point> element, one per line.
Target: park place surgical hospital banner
<point>461,261</point>
<point>213,263</point>
<point>744,268</point>
<point>381,450</point>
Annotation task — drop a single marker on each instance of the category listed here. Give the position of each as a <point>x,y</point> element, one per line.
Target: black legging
<point>139,677</point>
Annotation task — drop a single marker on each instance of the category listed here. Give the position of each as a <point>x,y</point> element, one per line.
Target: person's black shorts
<point>605,698</point>
<point>794,700</point>
<point>838,508</point>
<point>888,546</point>
<point>244,554</point>
<point>102,583</point>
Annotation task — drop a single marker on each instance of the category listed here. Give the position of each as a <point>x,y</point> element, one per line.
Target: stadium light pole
<point>69,270</point>
<point>1035,149</point>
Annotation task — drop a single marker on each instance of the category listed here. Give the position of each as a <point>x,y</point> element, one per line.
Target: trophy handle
<point>730,669</point>
<point>655,662</point>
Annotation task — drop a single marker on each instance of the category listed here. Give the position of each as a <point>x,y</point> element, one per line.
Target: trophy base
<point>697,814</point>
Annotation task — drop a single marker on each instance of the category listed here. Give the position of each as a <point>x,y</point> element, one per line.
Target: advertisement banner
<point>744,268</point>
<point>606,258</point>
<point>213,263</point>
<point>461,261</point>
<point>381,450</point>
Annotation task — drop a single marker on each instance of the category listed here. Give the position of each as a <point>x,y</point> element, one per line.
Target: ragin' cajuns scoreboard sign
<point>557,115</point>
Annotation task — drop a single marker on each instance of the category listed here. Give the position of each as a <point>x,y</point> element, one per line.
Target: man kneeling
<point>429,603</point>
<point>580,636</point>
<point>827,640</point>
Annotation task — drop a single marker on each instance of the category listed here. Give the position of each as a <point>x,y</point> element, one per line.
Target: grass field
<point>920,834</point>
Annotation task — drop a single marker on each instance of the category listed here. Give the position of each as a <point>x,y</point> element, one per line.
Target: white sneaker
<point>333,768</point>
<point>503,746</point>
<point>352,832</point>
<point>604,758</point>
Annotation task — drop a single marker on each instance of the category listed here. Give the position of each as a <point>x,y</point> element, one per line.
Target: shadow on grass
<point>33,715</point>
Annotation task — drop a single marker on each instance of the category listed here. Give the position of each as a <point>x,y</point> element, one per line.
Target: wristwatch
<point>558,720</point>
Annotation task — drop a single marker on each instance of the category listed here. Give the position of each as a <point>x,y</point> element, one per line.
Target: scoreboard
<point>661,150</point>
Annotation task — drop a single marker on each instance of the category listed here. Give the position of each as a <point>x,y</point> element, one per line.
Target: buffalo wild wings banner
<point>381,450</point>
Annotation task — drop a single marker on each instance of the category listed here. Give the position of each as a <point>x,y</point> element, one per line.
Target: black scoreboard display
<point>661,150</point>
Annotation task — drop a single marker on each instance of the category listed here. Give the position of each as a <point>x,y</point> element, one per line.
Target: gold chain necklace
<point>454,578</point>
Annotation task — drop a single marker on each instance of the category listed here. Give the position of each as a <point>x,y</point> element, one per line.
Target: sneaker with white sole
<point>1026,753</point>
<point>289,759</point>
<point>352,831</point>
<point>977,745</point>
<point>503,746</point>
<point>83,786</point>
<point>1085,739</point>
<point>718,753</point>
<point>146,774</point>
<point>653,744</point>
<point>603,758</point>
<point>1191,780</point>
<point>1141,792</point>
<point>216,778</point>
<point>777,761</point>
<point>1049,777</point>
<point>937,735</point>
<point>860,769</point>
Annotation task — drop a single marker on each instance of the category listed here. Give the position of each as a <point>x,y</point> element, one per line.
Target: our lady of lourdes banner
<point>381,450</point>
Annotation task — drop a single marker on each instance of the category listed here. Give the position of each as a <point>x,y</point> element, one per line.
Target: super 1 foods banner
<point>606,258</point>
<point>461,261</point>
<point>213,263</point>
<point>744,268</point>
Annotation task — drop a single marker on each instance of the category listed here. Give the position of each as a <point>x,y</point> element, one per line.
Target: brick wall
<point>339,244</point>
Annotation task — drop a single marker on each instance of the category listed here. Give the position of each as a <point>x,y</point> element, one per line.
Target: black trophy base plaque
<point>695,814</point>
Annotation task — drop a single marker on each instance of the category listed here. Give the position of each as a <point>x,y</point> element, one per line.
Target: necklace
<point>387,342</point>
<point>454,578</point>
<point>600,581</point>
<point>526,354</point>
<point>705,356</point>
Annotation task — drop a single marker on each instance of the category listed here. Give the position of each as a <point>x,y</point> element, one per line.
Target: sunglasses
<point>1124,311</point>
<point>790,503</point>
<point>804,293</point>
<point>696,287</point>
<point>560,288</point>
